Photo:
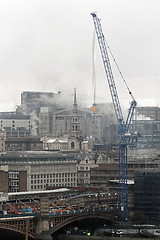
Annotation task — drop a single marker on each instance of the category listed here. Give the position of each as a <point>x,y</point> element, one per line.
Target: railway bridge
<point>42,225</point>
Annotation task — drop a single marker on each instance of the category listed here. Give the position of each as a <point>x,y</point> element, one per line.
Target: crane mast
<point>123,126</point>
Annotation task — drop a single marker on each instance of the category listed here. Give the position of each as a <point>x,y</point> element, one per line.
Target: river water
<point>81,237</point>
<point>76,237</point>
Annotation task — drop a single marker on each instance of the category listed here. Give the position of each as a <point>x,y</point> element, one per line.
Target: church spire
<point>75,102</point>
<point>75,138</point>
<point>75,123</point>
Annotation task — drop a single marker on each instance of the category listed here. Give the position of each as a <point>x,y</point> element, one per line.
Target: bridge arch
<point>16,229</point>
<point>82,217</point>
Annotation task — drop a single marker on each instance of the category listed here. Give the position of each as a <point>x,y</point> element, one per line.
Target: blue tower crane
<point>124,136</point>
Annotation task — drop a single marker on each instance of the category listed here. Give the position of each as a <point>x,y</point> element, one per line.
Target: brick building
<point>12,181</point>
<point>4,181</point>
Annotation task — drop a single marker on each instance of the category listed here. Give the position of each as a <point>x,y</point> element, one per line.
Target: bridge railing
<point>15,215</point>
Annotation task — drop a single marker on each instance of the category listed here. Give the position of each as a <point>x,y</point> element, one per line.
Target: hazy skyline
<point>46,45</point>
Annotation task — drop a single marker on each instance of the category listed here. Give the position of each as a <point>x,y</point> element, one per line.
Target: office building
<point>42,168</point>
<point>147,196</point>
<point>15,124</point>
<point>31,102</point>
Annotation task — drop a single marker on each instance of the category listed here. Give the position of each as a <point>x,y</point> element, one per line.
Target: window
<point>72,145</point>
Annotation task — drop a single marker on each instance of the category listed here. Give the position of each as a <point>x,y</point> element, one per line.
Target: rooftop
<point>13,115</point>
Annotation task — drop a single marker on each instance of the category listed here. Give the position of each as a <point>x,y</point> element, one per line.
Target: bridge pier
<point>42,223</point>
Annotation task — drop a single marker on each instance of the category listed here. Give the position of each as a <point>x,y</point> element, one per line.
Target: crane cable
<point>119,71</point>
<point>93,72</point>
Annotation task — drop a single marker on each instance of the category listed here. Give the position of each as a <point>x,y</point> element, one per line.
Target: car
<point>119,232</point>
<point>156,232</point>
<point>68,232</point>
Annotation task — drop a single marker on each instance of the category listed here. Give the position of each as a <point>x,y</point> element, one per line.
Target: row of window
<point>53,180</point>
<point>84,175</point>
<point>53,175</point>
<point>13,190</point>
<point>13,175</point>
<point>14,183</point>
<point>13,121</point>
<point>84,168</point>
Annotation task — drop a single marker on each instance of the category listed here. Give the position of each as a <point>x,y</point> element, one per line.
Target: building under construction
<point>147,197</point>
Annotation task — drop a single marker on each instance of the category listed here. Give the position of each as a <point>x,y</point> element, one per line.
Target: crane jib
<point>123,127</point>
<point>107,67</point>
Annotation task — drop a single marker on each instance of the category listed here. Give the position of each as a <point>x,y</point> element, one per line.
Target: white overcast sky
<point>46,45</point>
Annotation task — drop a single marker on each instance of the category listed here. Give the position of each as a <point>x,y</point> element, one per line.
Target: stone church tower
<point>75,138</point>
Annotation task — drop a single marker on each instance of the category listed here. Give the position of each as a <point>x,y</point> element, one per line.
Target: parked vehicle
<point>119,232</point>
<point>157,233</point>
<point>27,210</point>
